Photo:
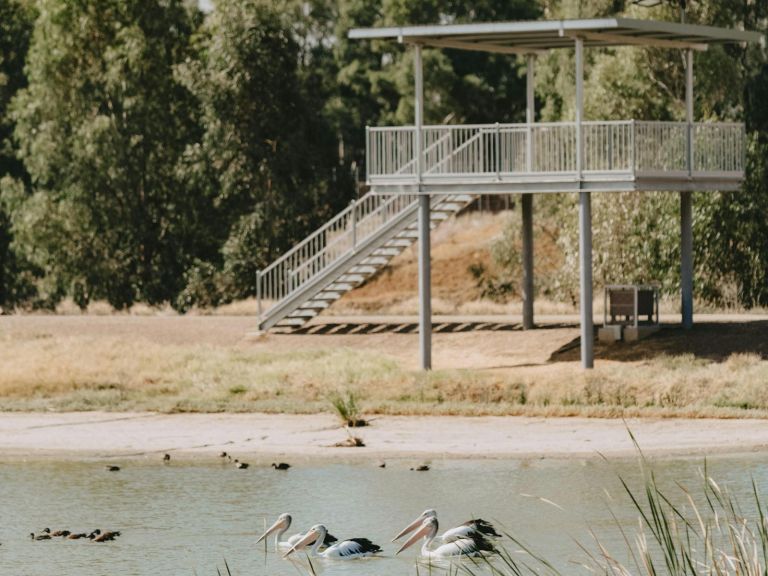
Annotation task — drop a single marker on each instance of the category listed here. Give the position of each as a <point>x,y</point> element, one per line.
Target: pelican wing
<point>330,539</point>
<point>473,546</point>
<point>352,548</point>
<point>469,529</point>
<point>484,527</point>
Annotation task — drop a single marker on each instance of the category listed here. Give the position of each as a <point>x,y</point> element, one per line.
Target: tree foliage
<point>267,158</point>
<point>100,128</point>
<point>152,153</point>
<point>636,237</point>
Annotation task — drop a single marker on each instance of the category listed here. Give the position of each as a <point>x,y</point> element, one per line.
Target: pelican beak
<point>272,529</point>
<point>309,537</point>
<point>415,537</point>
<point>410,528</point>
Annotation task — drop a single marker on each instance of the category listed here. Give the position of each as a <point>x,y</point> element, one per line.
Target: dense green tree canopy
<point>100,128</point>
<point>152,153</point>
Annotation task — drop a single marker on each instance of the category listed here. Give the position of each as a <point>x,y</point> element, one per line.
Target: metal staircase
<point>342,254</point>
<point>354,245</point>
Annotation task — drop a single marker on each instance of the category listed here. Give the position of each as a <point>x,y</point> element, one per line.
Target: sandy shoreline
<point>263,437</point>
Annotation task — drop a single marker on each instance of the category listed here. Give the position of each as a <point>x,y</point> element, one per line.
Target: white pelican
<point>281,526</point>
<point>473,545</point>
<point>466,530</point>
<point>344,550</point>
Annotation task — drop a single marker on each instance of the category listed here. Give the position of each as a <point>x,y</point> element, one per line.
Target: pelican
<point>470,528</point>
<point>344,550</point>
<point>281,526</point>
<point>473,545</point>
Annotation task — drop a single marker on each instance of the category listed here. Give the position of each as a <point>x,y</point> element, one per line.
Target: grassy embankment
<point>118,373</point>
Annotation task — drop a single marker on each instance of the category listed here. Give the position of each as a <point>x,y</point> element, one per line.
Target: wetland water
<point>187,517</point>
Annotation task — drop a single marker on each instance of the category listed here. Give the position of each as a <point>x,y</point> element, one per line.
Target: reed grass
<point>685,533</point>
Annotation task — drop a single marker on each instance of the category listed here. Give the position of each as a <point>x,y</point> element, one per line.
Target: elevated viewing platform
<point>422,175</point>
<point>543,157</point>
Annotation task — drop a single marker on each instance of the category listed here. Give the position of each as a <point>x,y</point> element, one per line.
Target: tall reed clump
<point>679,534</point>
<point>347,409</point>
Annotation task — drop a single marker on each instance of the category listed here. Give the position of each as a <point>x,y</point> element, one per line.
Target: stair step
<point>375,260</point>
<point>303,313</point>
<point>291,322</point>
<point>386,252</point>
<point>364,270</point>
<point>440,216</point>
<point>316,305</point>
<point>449,207</point>
<point>328,295</point>
<point>464,198</point>
<point>351,278</point>
<point>399,242</point>
<point>340,286</point>
<point>409,233</point>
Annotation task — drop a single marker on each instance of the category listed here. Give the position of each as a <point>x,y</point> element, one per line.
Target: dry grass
<point>118,373</point>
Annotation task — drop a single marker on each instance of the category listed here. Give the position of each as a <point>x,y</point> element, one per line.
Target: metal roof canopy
<point>529,37</point>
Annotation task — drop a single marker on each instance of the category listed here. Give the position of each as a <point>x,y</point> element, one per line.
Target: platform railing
<point>502,150</point>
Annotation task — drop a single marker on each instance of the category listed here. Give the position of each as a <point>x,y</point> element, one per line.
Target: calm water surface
<point>186,518</point>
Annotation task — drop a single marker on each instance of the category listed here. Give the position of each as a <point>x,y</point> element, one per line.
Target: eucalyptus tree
<point>100,128</point>
<point>636,236</point>
<point>16,21</point>
<point>267,159</point>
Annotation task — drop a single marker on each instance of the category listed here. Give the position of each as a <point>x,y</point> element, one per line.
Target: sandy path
<point>264,437</point>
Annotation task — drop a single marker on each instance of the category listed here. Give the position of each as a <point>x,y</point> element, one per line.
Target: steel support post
<point>425,271</point>
<point>585,224</point>
<point>425,286</point>
<point>686,258</point>
<point>527,211</point>
<point>527,201</point>
<point>585,279</point>
<point>686,209</point>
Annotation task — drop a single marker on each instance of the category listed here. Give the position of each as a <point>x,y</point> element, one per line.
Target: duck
<point>110,468</point>
<point>45,534</point>
<point>99,536</point>
<point>240,465</point>
<point>77,536</point>
<point>280,465</point>
<point>62,533</point>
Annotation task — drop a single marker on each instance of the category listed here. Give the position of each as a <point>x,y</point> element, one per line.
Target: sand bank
<point>303,437</point>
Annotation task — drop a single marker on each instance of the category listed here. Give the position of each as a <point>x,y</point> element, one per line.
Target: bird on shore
<point>166,458</point>
<point>344,550</point>
<point>280,465</point>
<point>45,534</point>
<point>422,468</point>
<point>281,526</point>
<point>468,529</point>
<point>474,544</point>
<point>110,468</point>
<point>241,465</point>
<point>224,455</point>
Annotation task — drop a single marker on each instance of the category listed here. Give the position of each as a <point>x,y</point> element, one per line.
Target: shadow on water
<point>714,341</point>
